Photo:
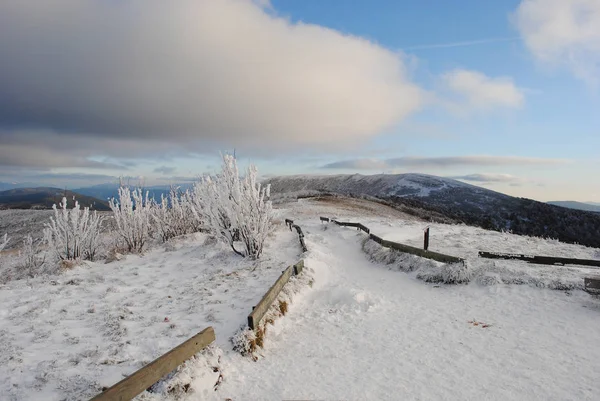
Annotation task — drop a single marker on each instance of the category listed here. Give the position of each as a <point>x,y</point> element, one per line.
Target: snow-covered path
<point>365,332</point>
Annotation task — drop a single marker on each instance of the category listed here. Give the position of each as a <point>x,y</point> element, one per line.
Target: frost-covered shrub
<point>4,242</point>
<point>254,213</point>
<point>72,234</point>
<point>32,257</point>
<point>236,208</point>
<point>132,213</point>
<point>175,215</point>
<point>456,273</point>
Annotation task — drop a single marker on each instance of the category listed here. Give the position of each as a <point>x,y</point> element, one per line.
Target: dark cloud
<point>145,78</point>
<point>165,170</point>
<point>61,180</point>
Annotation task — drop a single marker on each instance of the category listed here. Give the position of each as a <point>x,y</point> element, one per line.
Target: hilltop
<point>45,197</point>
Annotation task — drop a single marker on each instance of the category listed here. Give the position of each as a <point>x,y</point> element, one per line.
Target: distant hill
<point>45,197</point>
<point>447,200</point>
<point>590,207</point>
<point>108,191</point>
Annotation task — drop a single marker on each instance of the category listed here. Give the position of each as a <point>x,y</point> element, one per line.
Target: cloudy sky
<point>503,94</point>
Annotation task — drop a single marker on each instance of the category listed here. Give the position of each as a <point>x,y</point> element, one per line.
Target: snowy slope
<point>369,333</point>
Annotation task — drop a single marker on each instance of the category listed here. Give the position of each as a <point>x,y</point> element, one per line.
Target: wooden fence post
<point>426,240</point>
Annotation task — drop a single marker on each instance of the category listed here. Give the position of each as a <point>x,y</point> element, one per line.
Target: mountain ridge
<point>45,197</point>
<point>431,197</point>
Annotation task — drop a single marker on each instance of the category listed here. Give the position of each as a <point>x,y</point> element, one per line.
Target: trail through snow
<point>366,332</point>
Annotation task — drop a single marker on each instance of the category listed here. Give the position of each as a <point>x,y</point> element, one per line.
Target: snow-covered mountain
<point>441,199</point>
<point>379,185</point>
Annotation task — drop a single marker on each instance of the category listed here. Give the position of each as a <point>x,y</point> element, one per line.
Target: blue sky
<point>500,94</point>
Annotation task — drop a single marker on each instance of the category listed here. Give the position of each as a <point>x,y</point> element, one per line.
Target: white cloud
<point>563,32</point>
<point>481,92</point>
<point>487,177</point>
<point>200,75</point>
<point>442,162</point>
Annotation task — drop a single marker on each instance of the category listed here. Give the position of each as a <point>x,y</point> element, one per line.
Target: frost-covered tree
<point>237,208</point>
<point>174,215</point>
<point>72,234</point>
<point>132,213</point>
<point>254,213</point>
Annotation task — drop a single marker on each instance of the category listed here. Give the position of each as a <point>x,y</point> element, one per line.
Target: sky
<point>501,94</point>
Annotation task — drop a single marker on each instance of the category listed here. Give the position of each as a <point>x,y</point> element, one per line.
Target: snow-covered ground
<point>367,332</point>
<point>67,336</point>
<point>20,223</point>
<point>363,331</point>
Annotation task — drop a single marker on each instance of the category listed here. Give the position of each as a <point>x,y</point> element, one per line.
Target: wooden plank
<point>440,257</point>
<point>542,260</point>
<point>592,284</point>
<point>345,223</point>
<point>301,238</point>
<point>375,238</point>
<point>139,381</point>
<point>259,310</point>
<point>324,219</point>
<point>364,228</point>
<point>303,245</point>
<point>298,267</point>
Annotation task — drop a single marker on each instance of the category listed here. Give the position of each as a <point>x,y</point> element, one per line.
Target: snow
<point>367,328</point>
<point>367,332</point>
<point>74,333</point>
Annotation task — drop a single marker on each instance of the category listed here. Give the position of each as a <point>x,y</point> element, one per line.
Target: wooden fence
<point>423,253</point>
<point>592,285</point>
<point>142,379</point>
<point>348,224</point>
<point>290,224</point>
<point>259,311</point>
<point>540,260</point>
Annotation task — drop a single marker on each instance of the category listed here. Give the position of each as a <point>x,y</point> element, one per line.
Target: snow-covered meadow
<point>364,330</point>
<point>367,332</point>
<point>71,334</point>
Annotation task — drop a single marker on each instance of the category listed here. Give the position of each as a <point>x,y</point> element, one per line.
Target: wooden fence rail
<point>540,260</point>
<point>141,380</point>
<point>592,285</point>
<point>301,237</point>
<point>259,311</point>
<point>440,257</point>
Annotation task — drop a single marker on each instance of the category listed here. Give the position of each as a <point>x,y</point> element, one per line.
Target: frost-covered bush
<point>254,213</point>
<point>72,234</point>
<point>32,257</point>
<point>4,242</point>
<point>175,215</point>
<point>132,213</point>
<point>236,208</point>
<point>456,273</point>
